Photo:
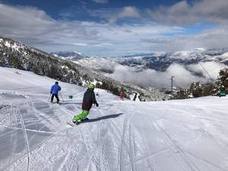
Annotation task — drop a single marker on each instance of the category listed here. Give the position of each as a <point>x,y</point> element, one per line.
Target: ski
<point>71,124</point>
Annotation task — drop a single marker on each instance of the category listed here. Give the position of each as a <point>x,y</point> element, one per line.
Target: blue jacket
<point>55,89</point>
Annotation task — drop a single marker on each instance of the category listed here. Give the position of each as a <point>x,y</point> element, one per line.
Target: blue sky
<point>115,27</point>
<point>86,10</point>
<point>54,8</point>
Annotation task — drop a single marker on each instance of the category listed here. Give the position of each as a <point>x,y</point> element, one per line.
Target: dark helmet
<point>56,82</point>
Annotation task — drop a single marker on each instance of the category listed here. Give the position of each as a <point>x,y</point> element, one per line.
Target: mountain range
<point>145,74</point>
<point>17,55</point>
<point>187,66</point>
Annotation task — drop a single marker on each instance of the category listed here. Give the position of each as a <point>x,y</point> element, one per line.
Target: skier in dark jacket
<point>54,91</point>
<point>88,100</point>
<point>122,94</point>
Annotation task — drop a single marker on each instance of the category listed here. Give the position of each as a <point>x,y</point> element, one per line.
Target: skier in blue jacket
<point>54,91</point>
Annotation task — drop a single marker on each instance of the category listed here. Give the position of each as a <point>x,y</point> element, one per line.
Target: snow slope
<point>178,135</point>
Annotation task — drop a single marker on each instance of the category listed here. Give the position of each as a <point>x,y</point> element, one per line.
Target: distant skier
<point>54,91</point>
<point>122,94</point>
<point>140,97</point>
<point>88,100</point>
<point>135,96</point>
<point>222,91</point>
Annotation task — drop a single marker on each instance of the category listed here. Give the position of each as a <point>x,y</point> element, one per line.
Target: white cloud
<point>112,15</point>
<point>154,78</point>
<point>80,44</point>
<point>129,12</point>
<point>184,75</point>
<point>214,38</point>
<point>101,1</point>
<point>103,44</point>
<point>36,28</point>
<point>185,13</point>
<point>126,12</point>
<point>207,69</point>
<point>23,19</point>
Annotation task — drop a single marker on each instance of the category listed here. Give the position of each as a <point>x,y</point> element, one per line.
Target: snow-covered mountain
<point>177,135</point>
<point>161,61</point>
<point>158,61</point>
<point>156,69</point>
<point>17,55</point>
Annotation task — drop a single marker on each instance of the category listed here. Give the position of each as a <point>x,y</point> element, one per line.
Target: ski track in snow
<point>178,135</point>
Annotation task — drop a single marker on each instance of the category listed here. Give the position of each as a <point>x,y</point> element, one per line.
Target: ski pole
<point>61,96</point>
<point>49,98</point>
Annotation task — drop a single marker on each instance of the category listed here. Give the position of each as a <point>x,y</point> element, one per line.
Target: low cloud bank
<point>184,75</point>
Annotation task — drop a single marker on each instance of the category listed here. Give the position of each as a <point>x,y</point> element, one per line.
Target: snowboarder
<point>54,91</point>
<point>88,100</point>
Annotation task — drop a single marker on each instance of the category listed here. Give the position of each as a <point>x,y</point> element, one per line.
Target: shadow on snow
<point>103,118</point>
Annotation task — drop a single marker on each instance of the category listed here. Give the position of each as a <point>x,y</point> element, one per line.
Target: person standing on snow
<point>88,100</point>
<point>54,91</point>
<point>122,94</point>
<point>135,96</point>
<point>222,91</point>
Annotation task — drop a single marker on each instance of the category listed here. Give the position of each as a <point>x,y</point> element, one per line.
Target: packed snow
<point>178,135</point>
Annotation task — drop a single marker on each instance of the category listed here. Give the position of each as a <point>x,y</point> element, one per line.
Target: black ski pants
<point>56,96</point>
